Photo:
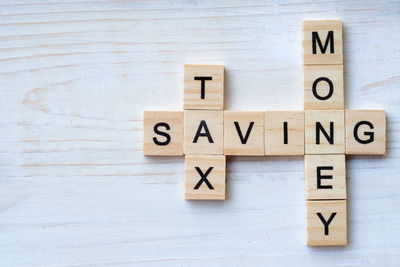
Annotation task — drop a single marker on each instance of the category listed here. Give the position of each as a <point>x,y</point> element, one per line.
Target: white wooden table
<point>75,77</point>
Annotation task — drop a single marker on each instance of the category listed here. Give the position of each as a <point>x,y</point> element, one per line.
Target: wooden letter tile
<point>327,223</point>
<point>322,42</point>
<point>324,132</point>
<point>204,132</point>
<point>325,177</point>
<point>163,133</point>
<point>366,132</point>
<point>244,133</point>
<point>205,177</point>
<point>323,87</point>
<point>284,133</point>
<point>203,87</point>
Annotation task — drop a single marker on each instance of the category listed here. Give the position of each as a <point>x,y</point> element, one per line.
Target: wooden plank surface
<point>75,188</point>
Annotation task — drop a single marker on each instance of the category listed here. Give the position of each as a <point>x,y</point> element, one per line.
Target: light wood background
<point>75,78</point>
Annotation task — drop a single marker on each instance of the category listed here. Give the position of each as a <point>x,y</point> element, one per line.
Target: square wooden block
<point>366,132</point>
<point>205,177</point>
<point>327,223</point>
<point>244,133</point>
<point>325,177</point>
<point>203,87</point>
<point>284,133</point>
<point>323,87</point>
<point>322,42</point>
<point>324,132</point>
<point>204,132</point>
<point>163,133</point>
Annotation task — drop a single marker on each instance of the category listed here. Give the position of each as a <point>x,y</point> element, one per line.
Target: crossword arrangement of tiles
<point>324,132</point>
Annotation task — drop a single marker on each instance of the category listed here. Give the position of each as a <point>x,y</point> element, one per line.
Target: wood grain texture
<point>324,29</point>
<point>369,126</point>
<point>246,138</point>
<point>203,87</point>
<point>329,73</point>
<point>275,133</point>
<point>327,223</point>
<point>205,177</point>
<point>75,188</point>
<point>332,177</point>
<point>324,132</point>
<point>204,132</point>
<point>163,133</point>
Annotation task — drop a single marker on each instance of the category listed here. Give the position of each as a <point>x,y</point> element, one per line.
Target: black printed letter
<point>203,124</point>
<point>243,140</point>
<point>166,142</point>
<point>285,133</point>
<point>370,134</point>
<point>314,88</point>
<point>319,177</point>
<point>203,84</point>
<point>204,178</point>
<point>326,223</point>
<point>319,128</point>
<point>329,40</point>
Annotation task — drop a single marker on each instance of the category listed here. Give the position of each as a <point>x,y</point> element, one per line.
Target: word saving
<point>324,132</point>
